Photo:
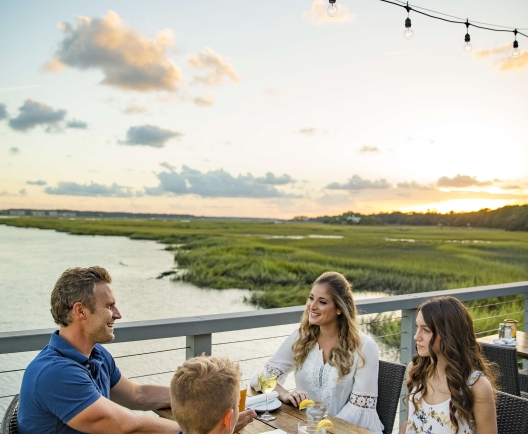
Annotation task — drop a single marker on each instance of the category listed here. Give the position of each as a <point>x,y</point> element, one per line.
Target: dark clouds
<point>461,181</point>
<point>271,179</point>
<point>77,124</point>
<point>414,185</point>
<point>13,150</point>
<point>39,182</point>
<point>149,135</point>
<point>357,183</point>
<point>217,183</point>
<point>33,113</point>
<point>127,59</point>
<point>92,189</point>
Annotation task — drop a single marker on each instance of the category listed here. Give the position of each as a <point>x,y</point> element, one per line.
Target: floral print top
<point>434,419</point>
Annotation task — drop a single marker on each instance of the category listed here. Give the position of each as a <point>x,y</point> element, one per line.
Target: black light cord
<point>466,23</point>
<point>452,16</point>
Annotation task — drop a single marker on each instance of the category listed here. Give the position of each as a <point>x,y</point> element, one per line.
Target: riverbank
<point>277,262</point>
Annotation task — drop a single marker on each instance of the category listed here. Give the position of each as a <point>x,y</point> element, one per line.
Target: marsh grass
<point>279,270</point>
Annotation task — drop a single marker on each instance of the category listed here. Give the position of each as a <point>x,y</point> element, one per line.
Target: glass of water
<point>317,412</point>
<point>309,427</point>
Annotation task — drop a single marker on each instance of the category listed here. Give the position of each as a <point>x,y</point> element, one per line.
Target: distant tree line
<point>510,218</point>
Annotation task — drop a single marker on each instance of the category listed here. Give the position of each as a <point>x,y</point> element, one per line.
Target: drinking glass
<point>318,411</point>
<point>309,427</point>
<point>267,380</point>
<point>243,394</point>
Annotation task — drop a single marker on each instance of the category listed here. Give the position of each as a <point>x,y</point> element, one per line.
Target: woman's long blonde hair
<point>348,342</point>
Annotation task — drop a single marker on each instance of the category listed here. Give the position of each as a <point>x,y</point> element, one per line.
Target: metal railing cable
<point>250,340</point>
<point>150,352</point>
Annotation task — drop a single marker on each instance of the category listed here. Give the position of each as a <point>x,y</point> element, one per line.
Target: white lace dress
<point>434,419</point>
<point>352,398</point>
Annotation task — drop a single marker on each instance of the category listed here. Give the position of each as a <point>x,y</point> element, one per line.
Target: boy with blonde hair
<point>205,395</point>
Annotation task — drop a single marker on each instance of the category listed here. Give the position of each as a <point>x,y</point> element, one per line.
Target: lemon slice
<point>324,424</point>
<point>306,403</point>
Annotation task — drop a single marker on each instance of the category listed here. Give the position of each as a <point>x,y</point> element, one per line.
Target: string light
<point>467,45</point>
<point>332,8</point>
<point>515,53</point>
<point>408,33</point>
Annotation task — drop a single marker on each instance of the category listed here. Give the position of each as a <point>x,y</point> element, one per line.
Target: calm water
<point>31,260</point>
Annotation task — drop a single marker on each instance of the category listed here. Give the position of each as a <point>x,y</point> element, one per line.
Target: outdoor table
<point>287,419</point>
<point>522,342</point>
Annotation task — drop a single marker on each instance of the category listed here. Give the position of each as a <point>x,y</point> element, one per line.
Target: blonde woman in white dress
<point>331,359</point>
<point>449,383</point>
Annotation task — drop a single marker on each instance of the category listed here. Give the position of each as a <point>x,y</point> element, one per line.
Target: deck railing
<point>198,330</point>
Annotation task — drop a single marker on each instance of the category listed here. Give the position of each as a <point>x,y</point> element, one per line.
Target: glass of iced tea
<point>267,380</point>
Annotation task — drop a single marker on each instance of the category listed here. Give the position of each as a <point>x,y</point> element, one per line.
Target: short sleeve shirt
<point>60,383</point>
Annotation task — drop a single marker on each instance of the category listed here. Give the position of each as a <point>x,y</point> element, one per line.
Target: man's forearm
<point>152,397</point>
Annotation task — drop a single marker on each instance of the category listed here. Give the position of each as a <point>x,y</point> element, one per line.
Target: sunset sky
<point>260,109</point>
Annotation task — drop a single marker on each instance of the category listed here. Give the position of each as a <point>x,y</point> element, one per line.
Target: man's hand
<point>244,418</point>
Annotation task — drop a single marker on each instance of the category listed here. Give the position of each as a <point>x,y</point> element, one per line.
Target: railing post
<point>525,319</point>
<point>198,344</point>
<point>408,330</point>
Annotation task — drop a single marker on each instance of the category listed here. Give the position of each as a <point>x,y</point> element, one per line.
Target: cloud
<point>217,69</point>
<point>271,179</point>
<point>215,183</point>
<point>204,101</point>
<point>505,62</point>
<point>357,183</point>
<point>39,182</point>
<point>14,151</point>
<point>77,124</point>
<point>168,166</point>
<point>318,14</point>
<point>92,189</point>
<point>33,113</point>
<point>149,135</point>
<point>22,192</point>
<point>366,149</point>
<point>128,60</point>
<point>3,112</point>
<point>461,181</point>
<point>133,109</point>
<point>310,131</point>
<point>414,185</point>
<point>510,187</point>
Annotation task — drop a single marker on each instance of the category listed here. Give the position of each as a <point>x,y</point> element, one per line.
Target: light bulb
<point>516,52</point>
<point>467,45</point>
<point>408,33</point>
<point>467,48</point>
<point>331,10</point>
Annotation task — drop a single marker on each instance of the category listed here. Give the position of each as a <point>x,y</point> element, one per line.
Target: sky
<point>261,109</point>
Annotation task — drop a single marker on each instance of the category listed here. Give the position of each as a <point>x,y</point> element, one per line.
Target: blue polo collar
<point>92,363</point>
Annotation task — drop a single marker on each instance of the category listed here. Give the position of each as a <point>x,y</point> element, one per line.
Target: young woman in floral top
<point>332,360</point>
<point>450,385</point>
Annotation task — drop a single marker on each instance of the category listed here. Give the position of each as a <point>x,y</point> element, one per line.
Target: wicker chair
<point>390,381</point>
<point>506,358</point>
<point>10,422</point>
<point>512,414</point>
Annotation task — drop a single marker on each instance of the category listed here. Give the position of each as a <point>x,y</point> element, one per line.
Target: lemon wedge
<point>324,424</point>
<point>306,403</point>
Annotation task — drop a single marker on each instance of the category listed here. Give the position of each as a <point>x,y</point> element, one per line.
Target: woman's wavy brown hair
<point>348,342</point>
<point>449,319</point>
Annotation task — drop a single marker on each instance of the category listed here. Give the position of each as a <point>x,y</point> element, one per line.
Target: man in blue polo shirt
<point>74,385</point>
